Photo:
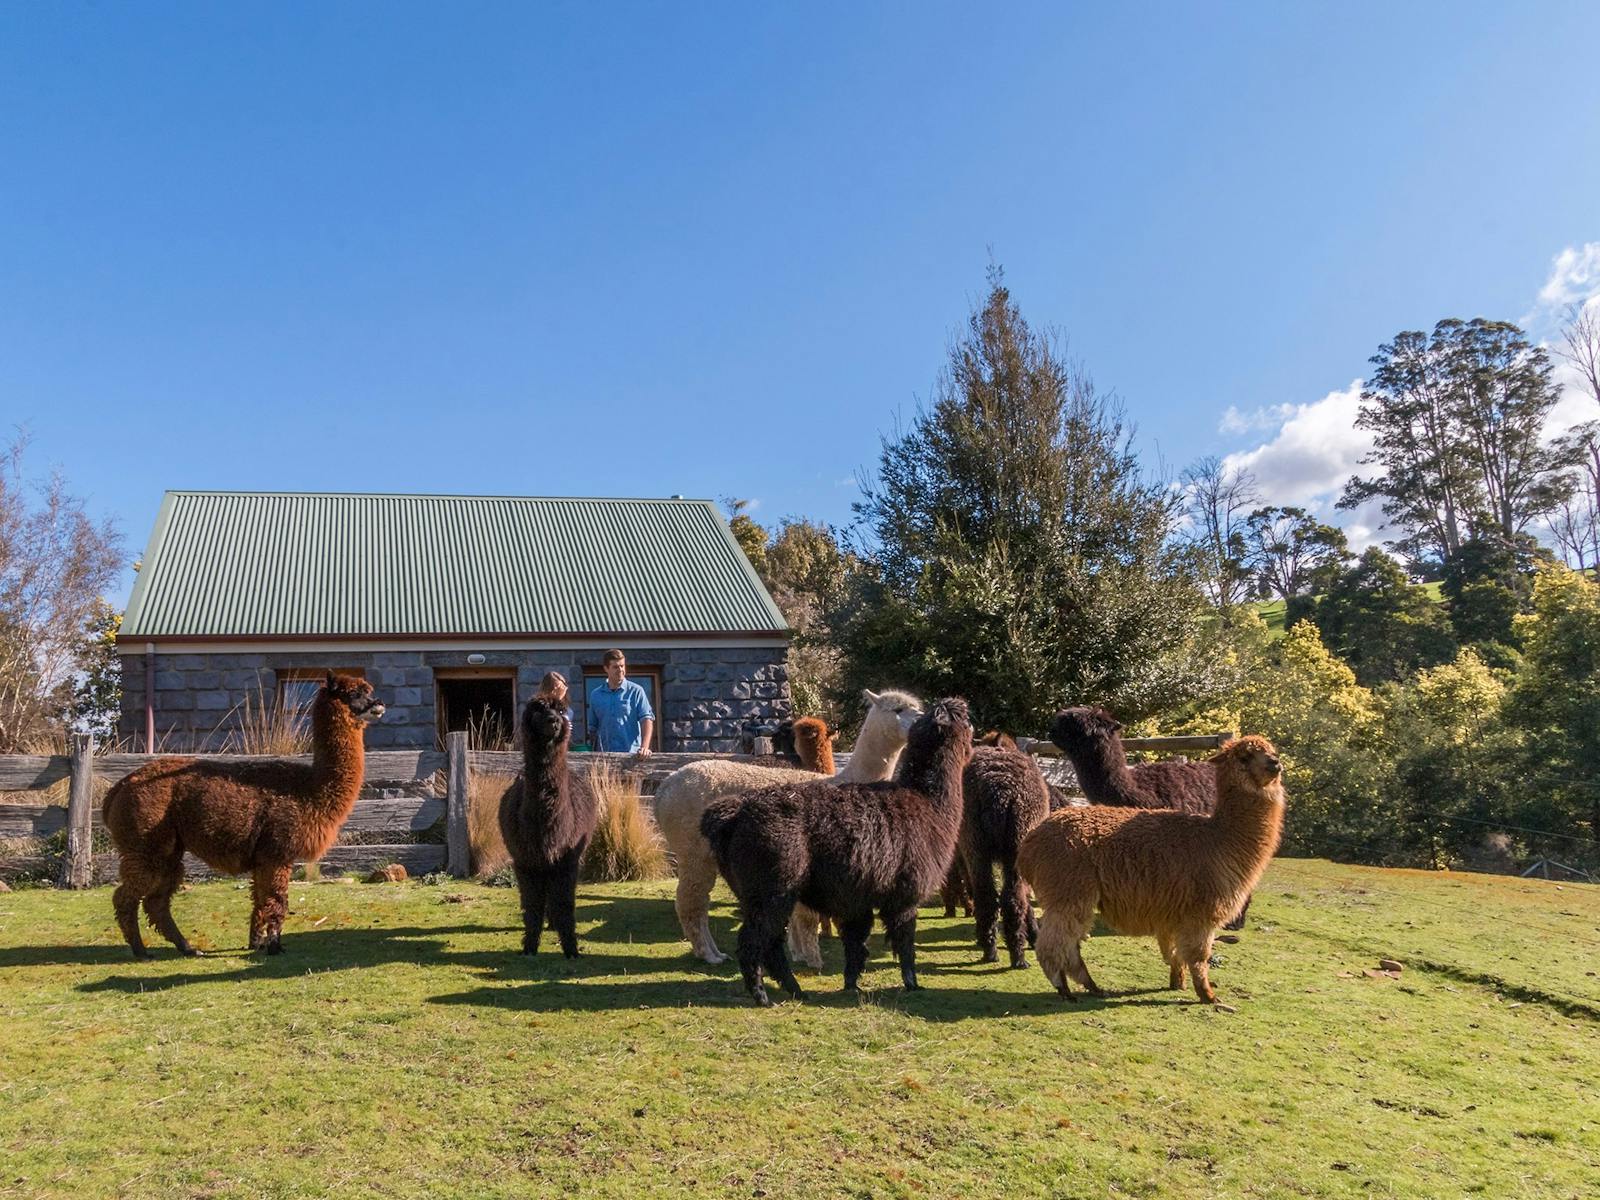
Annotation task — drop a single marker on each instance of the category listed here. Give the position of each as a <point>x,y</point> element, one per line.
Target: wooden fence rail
<point>409,814</point>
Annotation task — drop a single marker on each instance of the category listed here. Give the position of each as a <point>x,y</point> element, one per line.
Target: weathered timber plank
<point>32,772</point>
<point>410,813</point>
<point>31,820</point>
<point>416,858</point>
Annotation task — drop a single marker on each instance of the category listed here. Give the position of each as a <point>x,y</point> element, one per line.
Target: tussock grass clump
<point>268,727</point>
<point>488,848</point>
<point>626,847</point>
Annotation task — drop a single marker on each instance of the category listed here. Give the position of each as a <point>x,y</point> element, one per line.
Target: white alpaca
<point>684,795</point>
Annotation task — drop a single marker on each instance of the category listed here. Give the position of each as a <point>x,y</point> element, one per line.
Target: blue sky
<point>603,249</point>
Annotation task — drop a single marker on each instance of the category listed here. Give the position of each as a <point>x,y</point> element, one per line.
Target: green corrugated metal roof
<point>253,564</point>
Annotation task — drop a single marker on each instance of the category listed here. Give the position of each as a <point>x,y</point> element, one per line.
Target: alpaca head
<point>1251,761</point>
<point>1080,730</point>
<point>807,735</point>
<point>997,739</point>
<point>783,737</point>
<point>350,695</point>
<point>946,723</point>
<point>543,724</point>
<point>891,714</point>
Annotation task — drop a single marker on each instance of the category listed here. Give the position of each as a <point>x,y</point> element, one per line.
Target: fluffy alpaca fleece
<point>1004,797</point>
<point>890,716</point>
<point>1092,739</point>
<point>1173,875</point>
<point>260,817</point>
<point>846,851</point>
<point>684,795</point>
<point>547,818</point>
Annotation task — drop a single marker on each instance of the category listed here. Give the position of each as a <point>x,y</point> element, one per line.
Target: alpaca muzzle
<point>373,713</point>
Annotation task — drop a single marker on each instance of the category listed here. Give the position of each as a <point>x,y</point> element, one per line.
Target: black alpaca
<point>845,850</point>
<point>1005,797</point>
<point>1092,739</point>
<point>547,817</point>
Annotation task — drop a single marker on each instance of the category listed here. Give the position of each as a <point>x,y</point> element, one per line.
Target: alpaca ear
<point>331,678</point>
<point>870,696</point>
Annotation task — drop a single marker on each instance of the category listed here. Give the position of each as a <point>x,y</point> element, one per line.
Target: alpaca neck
<point>338,756</point>
<point>1244,829</point>
<point>823,758</point>
<point>544,768</point>
<point>1103,771</point>
<point>874,757</point>
<point>935,771</point>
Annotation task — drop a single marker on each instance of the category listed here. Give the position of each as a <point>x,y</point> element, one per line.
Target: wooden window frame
<point>282,675</point>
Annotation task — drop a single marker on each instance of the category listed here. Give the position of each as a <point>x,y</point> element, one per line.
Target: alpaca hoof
<point>142,955</point>
<point>1065,993</point>
<point>570,954</point>
<point>761,998</point>
<point>188,952</point>
<point>1019,963</point>
<point>990,956</point>
<point>274,947</point>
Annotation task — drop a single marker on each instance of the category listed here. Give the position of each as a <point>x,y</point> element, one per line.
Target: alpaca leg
<point>1030,922</point>
<point>804,926</point>
<point>777,956</point>
<point>1196,951</point>
<point>901,930</point>
<point>853,933</point>
<point>954,892</point>
<point>562,900</point>
<point>270,904</point>
<point>1052,951</point>
<point>1169,952</point>
<point>985,902</point>
<point>158,907</point>
<point>1079,970</point>
<point>532,887</point>
<point>1238,918</point>
<point>125,903</point>
<point>755,939</point>
<point>277,906</point>
<point>697,875</point>
<point>1013,909</point>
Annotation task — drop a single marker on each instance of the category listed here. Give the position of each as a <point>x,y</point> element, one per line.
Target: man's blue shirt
<point>617,714</point>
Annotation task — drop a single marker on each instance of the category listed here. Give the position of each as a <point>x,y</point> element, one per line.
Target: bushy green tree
<point>1291,552</point>
<point>97,694</point>
<point>1380,623</point>
<point>1457,419</point>
<point>1555,705</point>
<point>1017,554</point>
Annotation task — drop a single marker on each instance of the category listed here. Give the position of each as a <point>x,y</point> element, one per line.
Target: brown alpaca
<point>1173,875</point>
<point>1004,797</point>
<point>259,817</point>
<point>1092,739</point>
<point>547,818</point>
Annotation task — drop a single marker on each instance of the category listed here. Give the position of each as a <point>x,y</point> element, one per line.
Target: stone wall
<point>707,692</point>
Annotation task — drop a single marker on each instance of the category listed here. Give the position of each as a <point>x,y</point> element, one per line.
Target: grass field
<point>399,1048</point>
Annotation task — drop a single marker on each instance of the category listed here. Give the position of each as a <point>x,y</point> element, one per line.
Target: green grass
<point>400,1048</point>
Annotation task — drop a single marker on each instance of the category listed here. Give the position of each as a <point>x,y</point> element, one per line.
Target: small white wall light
<point>476,660</point>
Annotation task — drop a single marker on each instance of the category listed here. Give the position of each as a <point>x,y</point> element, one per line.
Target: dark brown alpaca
<point>845,850</point>
<point>238,817</point>
<point>547,817</point>
<point>1004,798</point>
<point>1092,739</point>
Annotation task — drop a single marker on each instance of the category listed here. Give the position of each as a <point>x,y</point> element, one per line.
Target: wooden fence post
<point>77,869</point>
<point>458,850</point>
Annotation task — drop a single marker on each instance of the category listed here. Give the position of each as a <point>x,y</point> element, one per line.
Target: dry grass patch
<point>626,847</point>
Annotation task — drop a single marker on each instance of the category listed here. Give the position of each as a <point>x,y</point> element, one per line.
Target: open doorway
<point>481,704</point>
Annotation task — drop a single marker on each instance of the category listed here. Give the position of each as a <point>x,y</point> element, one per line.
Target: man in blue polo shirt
<point>619,711</point>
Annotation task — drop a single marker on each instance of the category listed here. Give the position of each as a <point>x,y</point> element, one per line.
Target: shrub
<point>484,843</point>
<point>626,845</point>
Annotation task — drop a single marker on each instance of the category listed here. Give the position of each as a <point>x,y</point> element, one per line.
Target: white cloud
<point>1268,416</point>
<point>1307,461</point>
<point>1574,277</point>
<point>1316,448</point>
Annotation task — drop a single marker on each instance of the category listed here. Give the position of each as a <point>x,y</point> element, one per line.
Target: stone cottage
<point>453,607</point>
